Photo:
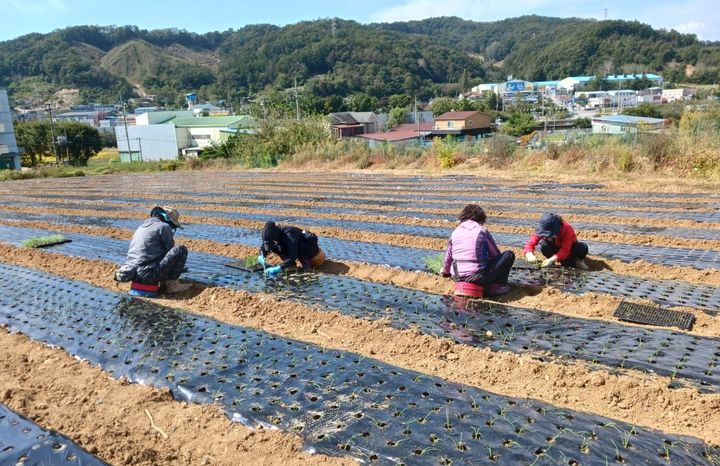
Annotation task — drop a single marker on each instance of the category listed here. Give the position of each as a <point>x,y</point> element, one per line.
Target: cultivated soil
<point>107,417</point>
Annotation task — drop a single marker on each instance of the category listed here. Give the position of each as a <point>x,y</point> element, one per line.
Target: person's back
<point>150,242</point>
<point>468,256</point>
<point>473,257</point>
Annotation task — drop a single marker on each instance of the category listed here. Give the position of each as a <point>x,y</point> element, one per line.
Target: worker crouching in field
<point>291,244</point>
<point>473,257</point>
<point>558,243</point>
<point>152,257</point>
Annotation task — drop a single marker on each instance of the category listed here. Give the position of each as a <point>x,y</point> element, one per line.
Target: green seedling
<point>434,263</point>
<point>44,241</point>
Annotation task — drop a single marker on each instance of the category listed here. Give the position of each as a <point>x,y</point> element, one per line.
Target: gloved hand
<point>530,257</point>
<point>261,260</point>
<point>445,274</point>
<point>549,261</point>
<point>272,272</point>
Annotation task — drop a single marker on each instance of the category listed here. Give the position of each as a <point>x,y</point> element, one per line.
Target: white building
<point>623,98</point>
<point>621,124</point>
<point>9,152</point>
<point>671,95</point>
<point>166,135</point>
<point>573,83</point>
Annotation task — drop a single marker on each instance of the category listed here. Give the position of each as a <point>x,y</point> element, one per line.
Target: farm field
<point>369,358</point>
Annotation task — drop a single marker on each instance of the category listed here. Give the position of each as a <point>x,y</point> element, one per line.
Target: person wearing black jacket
<point>291,244</point>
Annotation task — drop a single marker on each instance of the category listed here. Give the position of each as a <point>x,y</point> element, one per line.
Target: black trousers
<point>498,272</point>
<point>577,251</point>
<point>170,267</point>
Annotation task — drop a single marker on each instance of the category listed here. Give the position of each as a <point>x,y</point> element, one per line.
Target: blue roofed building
<point>621,79</point>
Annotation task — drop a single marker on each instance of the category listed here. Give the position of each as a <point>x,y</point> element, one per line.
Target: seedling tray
<point>241,266</point>
<point>22,442</point>
<point>650,315</point>
<point>340,403</point>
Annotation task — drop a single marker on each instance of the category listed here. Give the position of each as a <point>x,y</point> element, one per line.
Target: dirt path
<point>107,417</point>
<point>637,398</point>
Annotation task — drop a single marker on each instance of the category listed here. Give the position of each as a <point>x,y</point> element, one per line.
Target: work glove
<point>445,274</point>
<point>549,262</point>
<point>261,260</point>
<point>272,272</point>
<point>531,258</point>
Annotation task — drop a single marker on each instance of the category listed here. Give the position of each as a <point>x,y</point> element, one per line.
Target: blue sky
<point>700,17</point>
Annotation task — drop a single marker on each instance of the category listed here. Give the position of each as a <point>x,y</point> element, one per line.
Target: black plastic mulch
<point>339,403</point>
<point>24,443</point>
<point>686,358</point>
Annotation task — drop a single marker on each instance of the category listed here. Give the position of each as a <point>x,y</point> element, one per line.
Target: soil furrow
<point>642,239</point>
<point>589,305</point>
<point>633,397</point>
<point>107,417</point>
<point>640,269</point>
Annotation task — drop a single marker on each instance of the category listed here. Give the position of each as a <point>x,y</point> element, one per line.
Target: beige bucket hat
<point>171,212</point>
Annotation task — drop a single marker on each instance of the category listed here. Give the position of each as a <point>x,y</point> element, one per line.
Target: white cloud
<point>694,27</point>
<point>478,10</point>
<point>36,7</point>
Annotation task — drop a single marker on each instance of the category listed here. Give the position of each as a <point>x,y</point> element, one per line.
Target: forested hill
<point>424,58</point>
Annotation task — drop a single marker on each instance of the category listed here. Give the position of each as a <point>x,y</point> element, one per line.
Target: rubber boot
<point>496,289</point>
<point>581,265</point>
<point>176,286</point>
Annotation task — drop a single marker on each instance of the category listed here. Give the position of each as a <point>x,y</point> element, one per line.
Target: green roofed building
<point>166,135</point>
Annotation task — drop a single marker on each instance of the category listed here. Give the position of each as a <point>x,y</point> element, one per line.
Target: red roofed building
<point>406,132</point>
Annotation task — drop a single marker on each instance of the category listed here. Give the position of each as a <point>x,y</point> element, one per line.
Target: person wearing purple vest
<point>473,257</point>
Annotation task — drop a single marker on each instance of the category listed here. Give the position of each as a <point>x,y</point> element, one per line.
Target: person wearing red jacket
<point>558,243</point>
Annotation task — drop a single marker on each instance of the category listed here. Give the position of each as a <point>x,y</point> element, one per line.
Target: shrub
<point>499,149</point>
<point>445,150</point>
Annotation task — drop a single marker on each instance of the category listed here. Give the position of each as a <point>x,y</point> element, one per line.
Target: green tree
<point>442,105</point>
<point>398,116</point>
<point>583,123</point>
<point>361,102</point>
<point>644,110</point>
<point>519,124</point>
<point>82,142</point>
<point>34,138</point>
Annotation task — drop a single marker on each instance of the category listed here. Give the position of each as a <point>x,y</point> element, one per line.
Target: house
<point>9,151</point>
<point>165,135</point>
<point>349,124</point>
<point>621,124</point>
<point>463,124</point>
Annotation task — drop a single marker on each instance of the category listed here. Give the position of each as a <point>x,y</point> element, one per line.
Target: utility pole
<point>127,136</point>
<point>139,140</point>
<point>417,120</point>
<point>297,104</point>
<point>52,133</point>
<point>605,14</point>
